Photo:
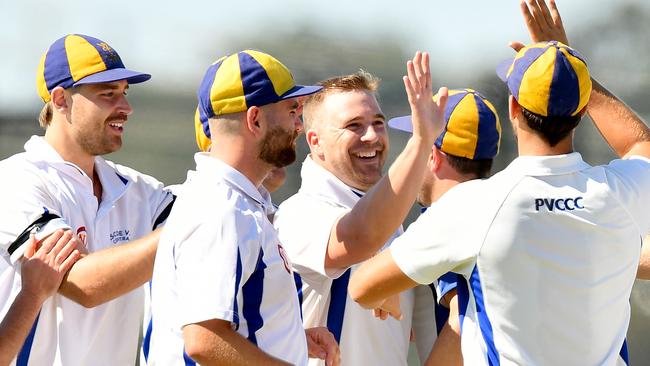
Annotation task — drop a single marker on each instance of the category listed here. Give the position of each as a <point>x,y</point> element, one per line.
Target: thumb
<point>30,247</point>
<point>516,45</point>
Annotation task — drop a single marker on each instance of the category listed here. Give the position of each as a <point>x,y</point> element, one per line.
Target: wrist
<point>31,298</point>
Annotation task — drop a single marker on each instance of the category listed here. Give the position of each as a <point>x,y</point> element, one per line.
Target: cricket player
<point>345,211</point>
<point>223,290</point>
<point>62,182</point>
<point>464,151</point>
<point>549,246</point>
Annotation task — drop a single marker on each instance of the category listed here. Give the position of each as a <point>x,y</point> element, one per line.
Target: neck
<point>245,160</point>
<point>69,150</point>
<point>530,143</point>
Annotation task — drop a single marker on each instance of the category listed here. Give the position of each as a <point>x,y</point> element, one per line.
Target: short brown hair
<point>45,117</point>
<point>551,129</point>
<point>360,80</point>
<point>478,168</point>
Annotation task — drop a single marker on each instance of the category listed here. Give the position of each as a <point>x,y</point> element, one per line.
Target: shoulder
<point>135,176</point>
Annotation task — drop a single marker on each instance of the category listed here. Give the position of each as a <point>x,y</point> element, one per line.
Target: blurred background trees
<point>159,138</point>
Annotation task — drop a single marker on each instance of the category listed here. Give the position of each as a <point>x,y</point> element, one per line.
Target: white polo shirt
<point>40,184</point>
<point>304,222</point>
<point>219,258</point>
<point>549,249</point>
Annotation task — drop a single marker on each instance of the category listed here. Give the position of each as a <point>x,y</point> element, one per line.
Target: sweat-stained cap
<point>77,59</point>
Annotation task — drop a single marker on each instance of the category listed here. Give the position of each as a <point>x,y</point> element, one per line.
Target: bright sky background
<point>173,40</point>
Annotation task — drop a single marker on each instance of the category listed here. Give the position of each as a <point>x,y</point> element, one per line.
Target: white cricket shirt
<point>304,222</point>
<point>38,183</point>
<point>219,258</point>
<point>548,248</point>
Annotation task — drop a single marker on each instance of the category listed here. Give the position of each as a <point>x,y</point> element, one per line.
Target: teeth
<point>116,125</point>
<point>370,154</point>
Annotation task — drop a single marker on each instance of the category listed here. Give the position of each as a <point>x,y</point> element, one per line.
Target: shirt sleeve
<point>27,208</point>
<point>436,243</point>
<point>629,180</point>
<point>223,249</point>
<point>446,283</point>
<point>304,228</point>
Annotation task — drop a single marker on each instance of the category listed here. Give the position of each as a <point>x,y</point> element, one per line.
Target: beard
<point>278,148</point>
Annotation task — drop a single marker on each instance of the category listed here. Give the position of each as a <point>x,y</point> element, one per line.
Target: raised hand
<point>426,115</point>
<point>543,22</point>
<point>321,344</point>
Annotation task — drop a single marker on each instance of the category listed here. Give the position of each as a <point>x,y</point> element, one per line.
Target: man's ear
<point>254,121</point>
<point>59,101</point>
<point>514,108</point>
<point>313,140</point>
<point>435,160</point>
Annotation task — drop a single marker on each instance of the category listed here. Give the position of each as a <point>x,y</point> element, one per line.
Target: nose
<point>123,106</point>
<point>370,135</point>
<point>298,125</point>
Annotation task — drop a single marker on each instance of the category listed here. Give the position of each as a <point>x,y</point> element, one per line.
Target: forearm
<point>446,350</point>
<point>372,221</point>
<point>112,272</point>
<point>623,129</point>
<point>643,272</point>
<point>208,345</point>
<point>16,325</point>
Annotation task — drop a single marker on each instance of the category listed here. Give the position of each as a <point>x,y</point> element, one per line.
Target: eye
<point>353,126</point>
<point>378,123</point>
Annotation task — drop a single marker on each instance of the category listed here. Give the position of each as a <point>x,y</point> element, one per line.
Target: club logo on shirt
<point>81,234</point>
<point>285,258</point>
<point>559,204</point>
<point>120,236</point>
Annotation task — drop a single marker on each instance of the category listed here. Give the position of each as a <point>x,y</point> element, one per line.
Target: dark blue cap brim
<point>301,91</point>
<point>502,69</point>
<point>132,77</point>
<point>401,123</point>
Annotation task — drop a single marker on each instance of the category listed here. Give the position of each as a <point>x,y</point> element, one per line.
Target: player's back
<point>555,270</point>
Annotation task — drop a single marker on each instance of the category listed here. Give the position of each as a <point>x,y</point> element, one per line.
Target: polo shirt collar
<point>548,165</point>
<point>318,181</point>
<point>113,184</point>
<point>214,168</point>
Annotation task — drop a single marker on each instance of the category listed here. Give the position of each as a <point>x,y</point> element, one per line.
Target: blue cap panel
<point>258,87</point>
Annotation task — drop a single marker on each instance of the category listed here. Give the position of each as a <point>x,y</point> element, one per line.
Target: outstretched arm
<point>42,270</point>
<point>360,233</point>
<point>623,129</point>
<point>106,274</point>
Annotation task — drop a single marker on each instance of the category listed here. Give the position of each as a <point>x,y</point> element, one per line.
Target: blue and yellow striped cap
<point>76,59</point>
<point>202,133</point>
<point>548,78</point>
<point>248,78</point>
<point>472,127</point>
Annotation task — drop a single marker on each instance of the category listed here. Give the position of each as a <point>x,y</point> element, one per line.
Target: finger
<point>538,13</point>
<point>410,93</point>
<point>64,251</point>
<point>69,261</point>
<point>426,71</point>
<point>516,45</point>
<point>48,243</point>
<point>410,71</point>
<point>332,349</point>
<point>314,349</point>
<point>557,20</point>
<point>443,95</point>
<point>375,312</point>
<point>417,63</point>
<point>384,315</point>
<point>397,314</point>
<point>30,247</point>
<point>531,24</point>
<point>545,12</point>
<point>62,242</point>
